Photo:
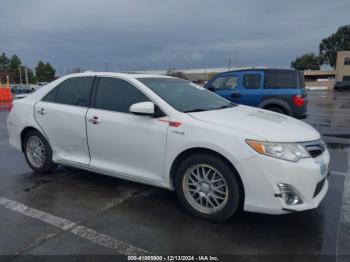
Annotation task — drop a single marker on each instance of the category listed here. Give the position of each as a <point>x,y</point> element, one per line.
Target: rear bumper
<point>301,116</point>
<point>14,135</point>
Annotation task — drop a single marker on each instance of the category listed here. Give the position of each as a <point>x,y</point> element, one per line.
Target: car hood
<point>269,125</point>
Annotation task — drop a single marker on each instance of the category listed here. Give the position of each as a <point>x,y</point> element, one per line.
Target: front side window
<point>185,96</point>
<point>73,91</point>
<point>251,81</point>
<point>117,95</point>
<point>225,82</point>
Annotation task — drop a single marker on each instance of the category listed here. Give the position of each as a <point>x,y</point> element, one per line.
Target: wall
<point>342,69</point>
<point>323,85</point>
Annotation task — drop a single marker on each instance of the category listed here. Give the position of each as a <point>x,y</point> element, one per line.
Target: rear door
<point>61,115</point>
<point>251,90</point>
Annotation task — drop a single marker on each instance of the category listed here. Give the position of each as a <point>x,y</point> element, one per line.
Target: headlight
<point>287,151</point>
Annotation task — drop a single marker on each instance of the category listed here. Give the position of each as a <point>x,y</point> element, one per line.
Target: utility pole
<point>106,66</point>
<point>20,74</point>
<point>26,74</point>
<point>229,64</point>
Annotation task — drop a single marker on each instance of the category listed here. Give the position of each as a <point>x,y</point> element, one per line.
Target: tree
<point>339,41</point>
<point>14,67</point>
<point>306,61</point>
<point>45,72</point>
<point>15,62</point>
<point>4,61</point>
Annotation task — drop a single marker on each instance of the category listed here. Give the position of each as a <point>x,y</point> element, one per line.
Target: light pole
<point>26,74</point>
<point>20,74</point>
<point>229,64</point>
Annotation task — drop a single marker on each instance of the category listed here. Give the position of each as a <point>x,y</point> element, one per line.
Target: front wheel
<point>38,152</point>
<point>208,187</point>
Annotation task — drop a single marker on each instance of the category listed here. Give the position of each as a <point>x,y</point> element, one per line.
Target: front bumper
<point>261,174</point>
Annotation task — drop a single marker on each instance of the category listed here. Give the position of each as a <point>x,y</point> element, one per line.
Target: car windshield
<point>185,96</point>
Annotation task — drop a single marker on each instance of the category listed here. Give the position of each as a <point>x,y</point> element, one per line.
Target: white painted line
<point>31,212</point>
<point>107,241</point>
<point>81,231</point>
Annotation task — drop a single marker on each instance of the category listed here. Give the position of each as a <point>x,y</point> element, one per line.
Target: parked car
<point>277,90</point>
<point>22,89</point>
<point>342,85</point>
<point>42,83</point>
<point>163,131</point>
<point>20,96</point>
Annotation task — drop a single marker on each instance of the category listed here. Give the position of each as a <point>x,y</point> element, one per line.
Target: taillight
<point>298,100</point>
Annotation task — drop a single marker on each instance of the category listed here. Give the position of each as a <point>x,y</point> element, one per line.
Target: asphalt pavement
<point>74,212</point>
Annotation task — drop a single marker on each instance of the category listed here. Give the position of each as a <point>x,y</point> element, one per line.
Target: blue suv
<point>278,90</point>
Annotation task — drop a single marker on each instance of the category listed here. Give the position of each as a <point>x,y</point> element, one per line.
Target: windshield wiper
<point>223,107</point>
<point>195,110</point>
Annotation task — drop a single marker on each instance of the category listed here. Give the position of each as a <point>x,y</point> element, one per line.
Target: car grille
<point>319,187</point>
<point>315,148</point>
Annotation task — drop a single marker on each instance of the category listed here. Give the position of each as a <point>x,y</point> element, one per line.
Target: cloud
<point>146,34</point>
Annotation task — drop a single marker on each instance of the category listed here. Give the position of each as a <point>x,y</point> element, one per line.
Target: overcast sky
<point>158,34</point>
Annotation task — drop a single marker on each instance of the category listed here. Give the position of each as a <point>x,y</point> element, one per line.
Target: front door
<point>227,87</point>
<point>122,142</point>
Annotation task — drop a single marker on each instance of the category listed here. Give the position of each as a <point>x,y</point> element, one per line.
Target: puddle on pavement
<point>346,136</point>
<point>338,146</point>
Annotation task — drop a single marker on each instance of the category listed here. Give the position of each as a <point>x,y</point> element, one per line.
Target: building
<point>196,75</point>
<point>314,79</point>
<point>326,79</point>
<point>342,72</point>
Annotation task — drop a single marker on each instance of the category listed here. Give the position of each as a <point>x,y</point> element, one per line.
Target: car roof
<point>261,69</point>
<point>122,75</point>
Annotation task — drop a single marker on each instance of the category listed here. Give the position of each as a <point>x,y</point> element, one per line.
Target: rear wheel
<point>38,152</point>
<point>207,187</point>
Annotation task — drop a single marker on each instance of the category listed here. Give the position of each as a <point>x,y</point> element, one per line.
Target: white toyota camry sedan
<point>167,132</point>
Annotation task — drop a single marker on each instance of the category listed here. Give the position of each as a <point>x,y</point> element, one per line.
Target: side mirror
<point>142,108</point>
<point>211,88</point>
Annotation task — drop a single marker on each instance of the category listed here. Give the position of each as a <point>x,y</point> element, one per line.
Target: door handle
<point>94,120</point>
<point>236,95</point>
<point>41,111</point>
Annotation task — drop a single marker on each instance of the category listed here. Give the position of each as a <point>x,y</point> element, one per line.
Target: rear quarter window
<point>282,80</point>
<point>73,91</point>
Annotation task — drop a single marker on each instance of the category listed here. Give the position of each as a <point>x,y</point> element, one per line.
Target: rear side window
<point>73,91</point>
<point>225,82</point>
<point>117,95</point>
<point>283,79</point>
<point>251,81</point>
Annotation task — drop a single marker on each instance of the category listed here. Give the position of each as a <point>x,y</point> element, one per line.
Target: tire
<point>226,205</point>
<point>39,159</point>
<point>276,109</point>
